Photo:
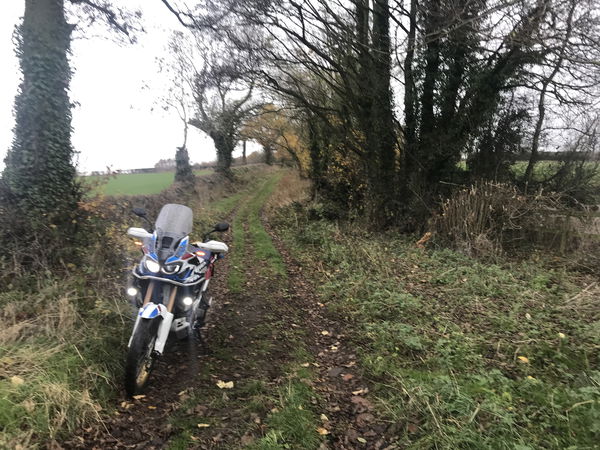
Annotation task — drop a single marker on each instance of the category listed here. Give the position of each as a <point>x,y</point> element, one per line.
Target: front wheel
<point>140,358</point>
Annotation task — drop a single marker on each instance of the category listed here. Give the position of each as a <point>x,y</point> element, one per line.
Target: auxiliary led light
<point>132,292</point>
<point>187,301</point>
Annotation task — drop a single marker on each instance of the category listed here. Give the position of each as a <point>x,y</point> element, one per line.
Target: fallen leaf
<point>322,431</point>
<point>523,359</point>
<point>139,397</point>
<point>28,405</point>
<point>151,407</point>
<point>304,364</point>
<point>360,391</point>
<point>325,333</point>
<point>348,377</point>
<point>324,418</point>
<point>361,440</point>
<point>17,381</point>
<point>203,425</point>
<point>225,384</point>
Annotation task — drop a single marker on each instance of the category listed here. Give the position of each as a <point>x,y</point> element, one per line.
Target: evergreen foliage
<point>183,169</point>
<point>39,169</point>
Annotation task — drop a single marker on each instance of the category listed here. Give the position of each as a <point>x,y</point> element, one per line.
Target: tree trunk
<point>39,168</point>
<point>268,155</point>
<point>244,152</point>
<point>224,146</point>
<point>535,144</point>
<point>183,169</point>
<point>381,140</point>
<point>318,168</point>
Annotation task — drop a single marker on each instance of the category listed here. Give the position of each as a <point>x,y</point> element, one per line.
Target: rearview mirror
<point>223,226</point>
<point>141,212</point>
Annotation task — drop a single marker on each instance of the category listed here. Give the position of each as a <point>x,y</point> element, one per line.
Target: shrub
<point>488,218</point>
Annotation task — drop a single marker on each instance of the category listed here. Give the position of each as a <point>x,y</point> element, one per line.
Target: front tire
<point>140,357</point>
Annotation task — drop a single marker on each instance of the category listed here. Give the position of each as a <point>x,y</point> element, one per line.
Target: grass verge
<point>60,351</point>
<point>461,353</point>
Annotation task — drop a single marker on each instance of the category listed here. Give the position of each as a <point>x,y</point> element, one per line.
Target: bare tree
<point>180,70</point>
<point>461,62</point>
<point>224,99</point>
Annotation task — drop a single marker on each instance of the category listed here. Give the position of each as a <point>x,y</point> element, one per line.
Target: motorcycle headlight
<point>152,266</point>
<point>171,268</point>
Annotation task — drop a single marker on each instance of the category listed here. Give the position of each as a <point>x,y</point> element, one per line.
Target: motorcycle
<point>169,286</point>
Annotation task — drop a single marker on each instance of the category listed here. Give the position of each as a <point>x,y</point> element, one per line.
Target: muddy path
<point>274,369</point>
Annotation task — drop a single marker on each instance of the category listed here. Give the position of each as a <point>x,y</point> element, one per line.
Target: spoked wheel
<point>140,358</point>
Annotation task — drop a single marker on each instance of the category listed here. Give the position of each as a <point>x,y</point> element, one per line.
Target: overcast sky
<point>117,122</point>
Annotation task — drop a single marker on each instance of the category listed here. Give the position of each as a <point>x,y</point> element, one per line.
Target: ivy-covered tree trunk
<point>268,155</point>
<point>381,137</point>
<point>224,146</point>
<point>39,168</point>
<point>183,168</point>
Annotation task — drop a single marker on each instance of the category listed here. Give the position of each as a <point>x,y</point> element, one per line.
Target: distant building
<point>165,165</point>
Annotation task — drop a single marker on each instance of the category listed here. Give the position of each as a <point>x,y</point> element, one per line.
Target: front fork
<point>151,311</point>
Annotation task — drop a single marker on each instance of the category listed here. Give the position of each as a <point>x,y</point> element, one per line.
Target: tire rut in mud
<point>353,421</point>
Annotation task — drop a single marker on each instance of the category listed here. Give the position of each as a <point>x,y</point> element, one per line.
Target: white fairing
<point>163,332</point>
<point>138,233</point>
<point>214,246</point>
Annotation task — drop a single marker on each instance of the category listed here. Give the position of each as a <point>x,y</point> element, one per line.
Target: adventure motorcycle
<point>169,286</point>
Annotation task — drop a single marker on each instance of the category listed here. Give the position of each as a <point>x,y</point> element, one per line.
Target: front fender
<point>152,311</point>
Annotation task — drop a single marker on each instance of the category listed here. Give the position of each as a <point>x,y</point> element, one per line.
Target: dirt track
<point>252,339</point>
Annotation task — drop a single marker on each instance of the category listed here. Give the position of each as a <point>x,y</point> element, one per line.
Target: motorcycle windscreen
<point>175,220</point>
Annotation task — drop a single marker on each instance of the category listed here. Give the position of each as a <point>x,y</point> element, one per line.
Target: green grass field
<point>137,183</point>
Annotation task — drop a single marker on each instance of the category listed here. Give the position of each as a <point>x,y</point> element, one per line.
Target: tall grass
<point>59,360</point>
